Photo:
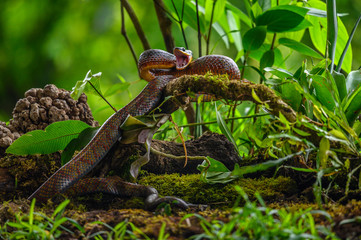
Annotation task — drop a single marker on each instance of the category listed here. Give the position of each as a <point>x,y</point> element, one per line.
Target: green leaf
<point>323,91</point>
<point>291,95</point>
<point>221,32</point>
<point>299,47</point>
<point>353,81</point>
<point>341,84</point>
<point>243,17</point>
<point>216,173</point>
<point>267,59</point>
<point>55,137</point>
<point>219,9</point>
<point>352,106</point>
<point>254,38</point>
<point>261,166</point>
<point>322,152</point>
<point>84,86</point>
<point>78,143</point>
<point>233,22</point>
<point>224,129</point>
<point>281,73</point>
<point>285,18</point>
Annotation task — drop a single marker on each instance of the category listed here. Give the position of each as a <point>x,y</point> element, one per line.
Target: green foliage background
<point>58,41</point>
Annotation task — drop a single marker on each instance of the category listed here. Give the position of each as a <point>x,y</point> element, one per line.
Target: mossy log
<point>223,88</point>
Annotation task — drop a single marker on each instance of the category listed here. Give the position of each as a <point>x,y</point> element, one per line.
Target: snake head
<point>183,57</point>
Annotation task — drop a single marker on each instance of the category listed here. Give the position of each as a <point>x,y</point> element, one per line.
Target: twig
<point>192,158</point>
<point>182,139</point>
<point>136,24</point>
<point>199,33</point>
<point>210,28</point>
<point>226,120</point>
<point>101,95</point>
<point>165,25</point>
<point>179,20</point>
<point>124,33</point>
<point>182,28</point>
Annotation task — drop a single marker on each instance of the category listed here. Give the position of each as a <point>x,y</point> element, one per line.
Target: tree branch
<point>136,24</point>
<point>165,25</point>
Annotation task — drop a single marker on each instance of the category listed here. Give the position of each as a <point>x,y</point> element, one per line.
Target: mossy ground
<point>219,198</point>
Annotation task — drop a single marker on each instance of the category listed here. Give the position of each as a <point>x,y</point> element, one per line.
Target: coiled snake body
<point>158,67</point>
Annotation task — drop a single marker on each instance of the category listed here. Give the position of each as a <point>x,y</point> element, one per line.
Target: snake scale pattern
<point>158,68</point>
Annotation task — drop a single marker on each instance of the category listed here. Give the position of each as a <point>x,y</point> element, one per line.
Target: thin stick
<point>136,24</point>
<point>199,33</point>
<point>165,25</point>
<point>210,28</point>
<point>182,28</point>
<point>101,95</point>
<point>124,33</point>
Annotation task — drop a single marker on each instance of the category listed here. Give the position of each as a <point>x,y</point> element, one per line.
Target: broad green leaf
<point>55,137</point>
<point>279,59</point>
<point>224,129</point>
<point>353,81</point>
<point>221,32</point>
<point>254,38</point>
<point>78,143</point>
<point>267,59</point>
<point>281,73</point>
<point>290,95</point>
<point>323,91</point>
<point>243,17</point>
<point>341,84</point>
<point>283,19</point>
<point>218,9</point>
<point>299,47</point>
<point>216,173</point>
<point>233,22</point>
<point>352,106</point>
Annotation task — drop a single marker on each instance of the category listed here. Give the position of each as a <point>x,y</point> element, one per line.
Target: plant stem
<point>124,33</point>
<point>101,95</point>
<point>210,28</point>
<point>136,24</point>
<point>199,33</point>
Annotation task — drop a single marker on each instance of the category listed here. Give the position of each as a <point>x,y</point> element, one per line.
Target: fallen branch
<point>233,90</point>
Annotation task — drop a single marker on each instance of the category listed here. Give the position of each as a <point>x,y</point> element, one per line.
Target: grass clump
<point>260,222</point>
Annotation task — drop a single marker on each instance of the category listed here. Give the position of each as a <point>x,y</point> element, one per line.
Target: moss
<point>28,172</point>
<point>191,189</point>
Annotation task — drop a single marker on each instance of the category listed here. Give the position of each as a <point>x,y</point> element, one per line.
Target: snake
<point>158,67</point>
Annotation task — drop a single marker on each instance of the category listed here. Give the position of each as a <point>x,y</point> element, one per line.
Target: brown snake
<point>158,68</point>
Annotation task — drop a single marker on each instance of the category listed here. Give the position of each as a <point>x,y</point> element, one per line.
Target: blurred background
<point>59,41</point>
